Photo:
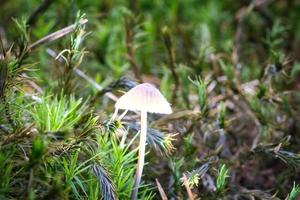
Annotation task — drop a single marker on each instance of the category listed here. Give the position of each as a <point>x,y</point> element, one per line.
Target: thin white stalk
<point>114,115</point>
<point>141,158</point>
<point>122,115</point>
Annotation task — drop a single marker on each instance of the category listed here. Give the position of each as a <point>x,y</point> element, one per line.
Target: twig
<point>3,77</point>
<point>56,35</point>
<point>42,8</point>
<point>3,72</point>
<point>14,138</point>
<point>85,77</point>
<point>32,84</point>
<point>133,5</point>
<point>30,181</point>
<point>187,187</point>
<point>2,2</point>
<point>3,39</point>
<point>95,84</point>
<point>171,62</point>
<point>161,191</point>
<point>240,17</point>
<point>2,47</point>
<point>24,152</point>
<point>130,50</point>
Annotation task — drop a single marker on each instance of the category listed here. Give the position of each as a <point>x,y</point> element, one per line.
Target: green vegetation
<point>230,70</point>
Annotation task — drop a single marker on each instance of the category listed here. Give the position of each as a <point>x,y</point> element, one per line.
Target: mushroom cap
<point>144,97</point>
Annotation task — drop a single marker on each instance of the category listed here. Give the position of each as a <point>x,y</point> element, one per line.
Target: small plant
<point>161,142</point>
<point>201,91</point>
<point>294,193</point>
<point>223,174</point>
<point>58,113</point>
<point>106,185</point>
<point>277,150</point>
<point>38,149</point>
<point>72,56</point>
<point>228,70</point>
<point>119,159</point>
<point>193,179</point>
<point>222,115</point>
<point>6,168</point>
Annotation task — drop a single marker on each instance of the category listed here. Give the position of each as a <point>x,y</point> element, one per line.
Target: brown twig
<point>2,47</point>
<point>85,77</point>
<point>2,2</point>
<point>42,8</point>
<point>30,181</point>
<point>187,187</point>
<point>26,132</point>
<point>161,190</point>
<point>3,77</point>
<point>240,18</point>
<point>171,62</point>
<point>32,84</point>
<point>130,49</point>
<point>133,5</point>
<point>56,35</point>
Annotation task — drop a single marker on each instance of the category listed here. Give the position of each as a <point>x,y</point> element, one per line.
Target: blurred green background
<point>252,29</point>
<point>229,68</point>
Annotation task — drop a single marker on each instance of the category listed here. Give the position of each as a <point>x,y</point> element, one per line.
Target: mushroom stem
<point>141,158</point>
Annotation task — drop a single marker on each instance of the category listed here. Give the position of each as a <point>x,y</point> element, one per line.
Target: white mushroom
<point>144,98</point>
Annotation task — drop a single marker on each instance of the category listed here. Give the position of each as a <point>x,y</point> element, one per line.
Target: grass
<point>230,70</point>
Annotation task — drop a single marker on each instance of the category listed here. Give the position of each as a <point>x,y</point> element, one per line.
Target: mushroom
<point>144,98</point>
